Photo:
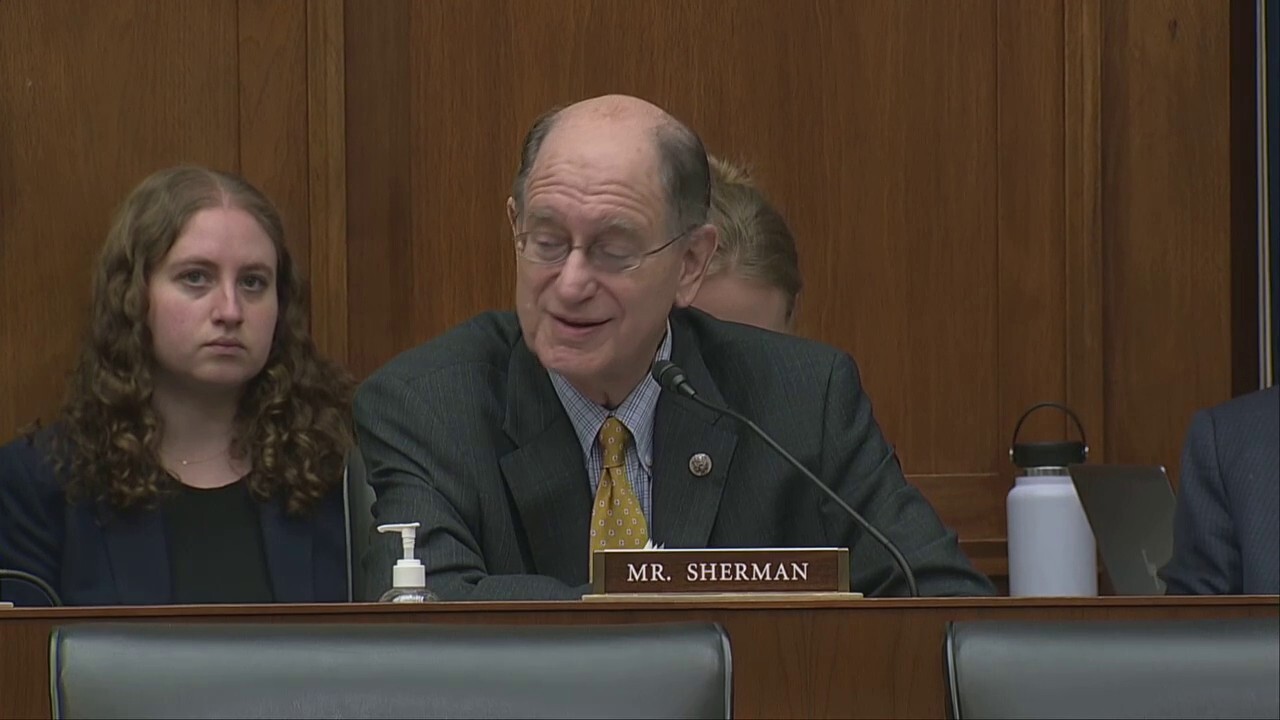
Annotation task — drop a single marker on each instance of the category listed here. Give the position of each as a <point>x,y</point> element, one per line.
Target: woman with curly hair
<point>198,456</point>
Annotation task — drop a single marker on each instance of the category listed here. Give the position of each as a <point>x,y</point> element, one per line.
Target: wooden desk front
<point>867,658</point>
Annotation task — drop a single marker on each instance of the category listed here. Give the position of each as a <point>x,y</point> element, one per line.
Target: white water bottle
<point>1051,546</point>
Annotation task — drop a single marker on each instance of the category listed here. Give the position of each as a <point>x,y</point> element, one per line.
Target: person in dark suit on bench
<point>522,441</point>
<point>1226,537</point>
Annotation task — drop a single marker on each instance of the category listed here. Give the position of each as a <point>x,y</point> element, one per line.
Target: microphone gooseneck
<point>670,377</point>
<point>30,579</point>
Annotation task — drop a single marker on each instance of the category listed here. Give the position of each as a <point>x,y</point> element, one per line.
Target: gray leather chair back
<point>152,670</point>
<point>360,528</point>
<point>1226,668</point>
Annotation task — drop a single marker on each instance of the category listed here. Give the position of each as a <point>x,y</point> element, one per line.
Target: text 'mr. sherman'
<point>721,570</point>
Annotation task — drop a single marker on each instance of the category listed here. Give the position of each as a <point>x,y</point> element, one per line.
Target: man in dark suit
<point>1226,533</point>
<point>522,441</point>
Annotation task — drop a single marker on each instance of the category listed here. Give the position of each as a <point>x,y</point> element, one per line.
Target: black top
<point>216,553</point>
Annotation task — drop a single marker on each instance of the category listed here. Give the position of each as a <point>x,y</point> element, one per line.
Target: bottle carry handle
<point>1020,454</point>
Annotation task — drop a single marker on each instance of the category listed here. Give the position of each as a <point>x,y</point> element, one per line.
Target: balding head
<point>635,125</point>
<point>609,220</point>
<point>620,109</point>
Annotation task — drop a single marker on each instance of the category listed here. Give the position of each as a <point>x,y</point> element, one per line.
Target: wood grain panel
<point>1082,172</point>
<point>904,273</point>
<point>327,164</point>
<point>1032,306</point>
<point>461,259</point>
<point>272,87</point>
<point>972,505</point>
<point>379,201</point>
<point>1247,373</point>
<point>836,659</point>
<point>1166,221</point>
<point>93,97</point>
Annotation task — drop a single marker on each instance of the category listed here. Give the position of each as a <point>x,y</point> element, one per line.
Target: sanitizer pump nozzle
<point>408,577</point>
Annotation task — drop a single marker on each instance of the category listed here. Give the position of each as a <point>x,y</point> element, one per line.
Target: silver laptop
<point>1130,508</point>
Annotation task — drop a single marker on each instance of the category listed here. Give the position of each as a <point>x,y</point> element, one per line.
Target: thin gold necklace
<point>185,463</point>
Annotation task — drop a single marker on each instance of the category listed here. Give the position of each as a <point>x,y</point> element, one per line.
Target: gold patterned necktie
<point>617,520</point>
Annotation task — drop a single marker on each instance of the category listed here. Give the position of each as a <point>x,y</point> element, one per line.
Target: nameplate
<point>721,570</point>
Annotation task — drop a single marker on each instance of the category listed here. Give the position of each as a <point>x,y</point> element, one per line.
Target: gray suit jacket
<point>1226,531</point>
<point>466,435</point>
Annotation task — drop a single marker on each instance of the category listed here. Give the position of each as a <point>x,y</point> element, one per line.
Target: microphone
<point>30,579</point>
<point>670,377</point>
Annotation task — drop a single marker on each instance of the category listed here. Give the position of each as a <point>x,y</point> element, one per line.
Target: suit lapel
<point>287,544</point>
<point>685,505</point>
<point>545,474</point>
<point>139,554</point>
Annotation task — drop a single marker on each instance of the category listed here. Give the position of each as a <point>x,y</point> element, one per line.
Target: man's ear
<point>698,249</point>
<point>791,314</point>
<point>511,214</point>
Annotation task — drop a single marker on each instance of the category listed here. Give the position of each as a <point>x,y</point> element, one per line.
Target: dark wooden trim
<point>1085,332</point>
<point>327,175</point>
<point>1245,367</point>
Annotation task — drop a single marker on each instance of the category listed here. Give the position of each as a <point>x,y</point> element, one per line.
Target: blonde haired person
<point>199,453</point>
<point>754,275</point>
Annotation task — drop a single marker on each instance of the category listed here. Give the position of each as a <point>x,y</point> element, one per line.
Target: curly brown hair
<point>294,419</point>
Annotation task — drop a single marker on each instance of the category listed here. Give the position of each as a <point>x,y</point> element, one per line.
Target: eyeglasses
<point>543,247</point>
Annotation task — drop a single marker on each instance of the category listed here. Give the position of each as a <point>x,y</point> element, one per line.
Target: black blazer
<point>1226,531</point>
<point>92,555</point>
<point>466,435</point>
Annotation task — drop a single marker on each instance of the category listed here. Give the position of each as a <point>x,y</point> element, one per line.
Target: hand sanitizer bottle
<point>408,577</point>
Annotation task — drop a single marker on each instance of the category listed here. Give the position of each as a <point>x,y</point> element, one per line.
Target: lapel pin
<point>700,464</point>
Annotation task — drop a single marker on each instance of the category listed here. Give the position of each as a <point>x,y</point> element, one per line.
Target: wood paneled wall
<point>1166,247</point>
<point>995,203</point>
<point>94,96</point>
